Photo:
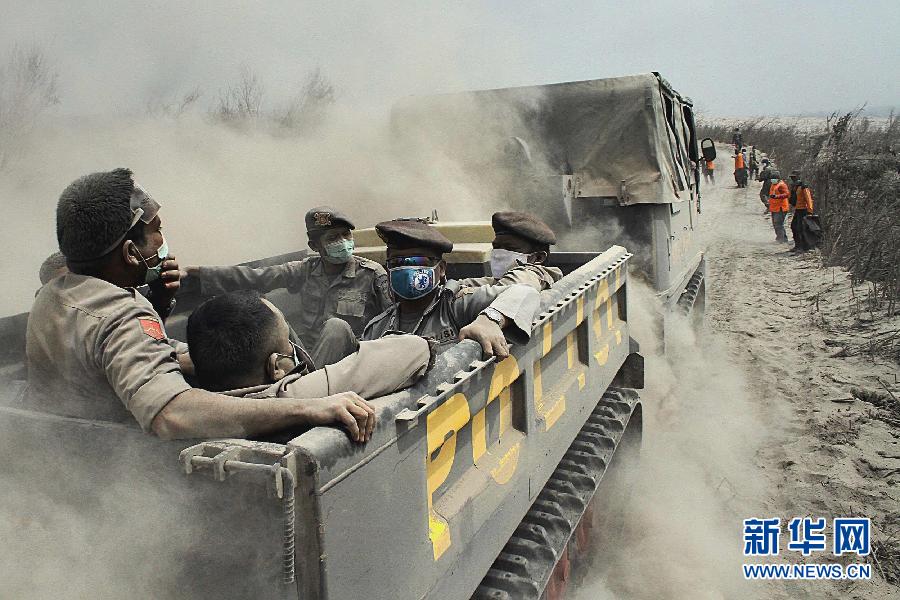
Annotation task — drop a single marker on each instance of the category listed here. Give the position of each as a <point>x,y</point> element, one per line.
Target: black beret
<point>320,218</point>
<point>402,234</point>
<point>523,225</point>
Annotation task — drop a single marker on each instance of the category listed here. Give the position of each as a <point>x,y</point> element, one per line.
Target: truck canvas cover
<point>628,138</point>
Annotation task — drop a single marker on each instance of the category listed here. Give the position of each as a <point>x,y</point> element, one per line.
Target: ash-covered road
<point>756,417</point>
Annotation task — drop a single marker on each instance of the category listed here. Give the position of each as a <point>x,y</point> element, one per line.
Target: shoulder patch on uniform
<point>152,327</point>
<point>370,264</point>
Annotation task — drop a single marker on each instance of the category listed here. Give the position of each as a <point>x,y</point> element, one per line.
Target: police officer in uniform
<point>430,306</point>
<point>767,176</point>
<point>337,292</point>
<point>95,348</point>
<point>521,246</point>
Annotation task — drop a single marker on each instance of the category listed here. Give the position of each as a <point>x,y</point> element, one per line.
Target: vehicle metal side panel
<point>422,510</point>
<point>109,507</point>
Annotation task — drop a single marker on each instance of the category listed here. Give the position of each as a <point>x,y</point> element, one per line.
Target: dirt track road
<point>755,418</point>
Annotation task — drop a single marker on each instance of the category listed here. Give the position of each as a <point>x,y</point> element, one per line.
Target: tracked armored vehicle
<point>479,481</point>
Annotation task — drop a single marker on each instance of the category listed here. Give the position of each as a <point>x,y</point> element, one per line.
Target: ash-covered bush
<point>852,165</point>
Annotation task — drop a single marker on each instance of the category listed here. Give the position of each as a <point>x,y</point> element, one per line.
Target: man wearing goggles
<point>97,349</point>
<point>521,245</point>
<point>253,357</point>
<point>430,306</point>
<point>337,292</point>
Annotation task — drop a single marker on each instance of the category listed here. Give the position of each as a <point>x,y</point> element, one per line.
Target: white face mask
<point>503,260</point>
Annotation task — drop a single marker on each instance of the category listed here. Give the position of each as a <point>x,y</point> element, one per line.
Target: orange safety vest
<point>739,161</point>
<point>804,199</point>
<point>778,197</point>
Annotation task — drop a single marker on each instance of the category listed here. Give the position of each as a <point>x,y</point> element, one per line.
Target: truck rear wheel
<point>559,530</point>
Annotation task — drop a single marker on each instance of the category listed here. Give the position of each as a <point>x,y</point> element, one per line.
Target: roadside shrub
<point>28,89</point>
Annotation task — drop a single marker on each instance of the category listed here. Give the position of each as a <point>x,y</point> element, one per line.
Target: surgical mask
<point>503,260</point>
<point>153,273</point>
<point>339,252</point>
<point>412,283</point>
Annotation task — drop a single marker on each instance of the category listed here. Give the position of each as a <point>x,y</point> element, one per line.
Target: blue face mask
<point>339,252</point>
<point>411,283</point>
<point>152,274</point>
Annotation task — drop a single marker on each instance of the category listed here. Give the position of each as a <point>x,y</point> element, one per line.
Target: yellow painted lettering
<point>442,425</point>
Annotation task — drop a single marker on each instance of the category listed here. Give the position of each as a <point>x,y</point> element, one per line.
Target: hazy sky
<point>733,58</point>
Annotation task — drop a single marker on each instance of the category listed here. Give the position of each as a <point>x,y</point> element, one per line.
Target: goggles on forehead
<point>412,261</point>
<point>143,208</point>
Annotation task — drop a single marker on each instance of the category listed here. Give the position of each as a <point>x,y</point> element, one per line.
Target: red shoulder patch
<point>152,328</point>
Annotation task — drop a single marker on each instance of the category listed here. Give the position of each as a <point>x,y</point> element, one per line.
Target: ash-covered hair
<point>229,337</point>
<point>93,212</point>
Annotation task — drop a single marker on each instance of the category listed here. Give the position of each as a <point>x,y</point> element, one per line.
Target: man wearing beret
<point>521,245</point>
<point>431,306</point>
<point>337,292</point>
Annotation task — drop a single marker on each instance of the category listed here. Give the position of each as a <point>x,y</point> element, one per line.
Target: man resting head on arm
<point>240,344</point>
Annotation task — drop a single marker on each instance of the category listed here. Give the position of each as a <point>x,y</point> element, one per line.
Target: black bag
<point>811,230</point>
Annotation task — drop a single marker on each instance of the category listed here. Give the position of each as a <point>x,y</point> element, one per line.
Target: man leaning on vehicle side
<point>97,349</point>
<point>241,347</point>
<point>431,306</point>
<point>521,246</point>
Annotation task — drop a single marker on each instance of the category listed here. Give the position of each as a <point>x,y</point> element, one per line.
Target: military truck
<point>479,481</point>
<point>606,161</point>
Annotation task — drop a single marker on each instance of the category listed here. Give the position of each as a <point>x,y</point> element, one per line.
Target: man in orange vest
<point>779,207</point>
<point>801,201</point>
<point>709,171</point>
<point>740,169</point>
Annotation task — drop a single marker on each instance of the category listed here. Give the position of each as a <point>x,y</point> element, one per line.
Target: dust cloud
<point>680,535</point>
<point>229,195</point>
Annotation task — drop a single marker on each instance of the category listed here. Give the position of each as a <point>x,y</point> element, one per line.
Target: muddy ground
<point>775,409</point>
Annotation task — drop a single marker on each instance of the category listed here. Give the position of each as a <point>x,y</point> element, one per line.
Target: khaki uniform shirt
<point>378,368</point>
<point>537,276</point>
<point>454,307</point>
<point>355,296</point>
<point>98,351</point>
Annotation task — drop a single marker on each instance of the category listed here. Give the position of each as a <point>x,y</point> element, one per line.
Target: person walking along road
<point>778,206</point>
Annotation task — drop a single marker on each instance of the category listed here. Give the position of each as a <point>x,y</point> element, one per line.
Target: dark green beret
<point>523,225</point>
<point>402,234</point>
<point>320,218</point>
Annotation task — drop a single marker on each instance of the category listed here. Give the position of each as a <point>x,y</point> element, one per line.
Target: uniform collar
<point>349,269</point>
<point>393,313</point>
